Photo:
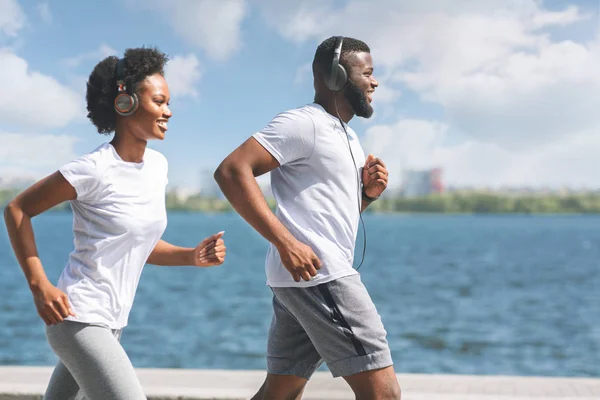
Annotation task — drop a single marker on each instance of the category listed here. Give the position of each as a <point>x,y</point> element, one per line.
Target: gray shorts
<point>335,322</point>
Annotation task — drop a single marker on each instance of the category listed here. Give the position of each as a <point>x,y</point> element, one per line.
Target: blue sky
<point>496,92</point>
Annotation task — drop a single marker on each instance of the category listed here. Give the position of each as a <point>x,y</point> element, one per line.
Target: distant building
<point>416,183</point>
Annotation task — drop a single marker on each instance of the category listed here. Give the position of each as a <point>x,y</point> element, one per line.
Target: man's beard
<point>358,100</point>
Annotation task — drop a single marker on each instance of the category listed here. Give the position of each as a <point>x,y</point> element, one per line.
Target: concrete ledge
<point>29,383</point>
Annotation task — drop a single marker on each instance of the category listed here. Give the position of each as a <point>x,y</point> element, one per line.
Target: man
<point>322,311</point>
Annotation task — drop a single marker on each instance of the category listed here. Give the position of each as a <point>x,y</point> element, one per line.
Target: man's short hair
<point>324,54</point>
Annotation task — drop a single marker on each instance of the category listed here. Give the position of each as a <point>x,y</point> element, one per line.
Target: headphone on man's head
<point>125,104</point>
<point>337,77</point>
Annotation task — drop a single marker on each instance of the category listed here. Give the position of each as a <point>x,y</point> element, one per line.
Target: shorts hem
<point>355,365</point>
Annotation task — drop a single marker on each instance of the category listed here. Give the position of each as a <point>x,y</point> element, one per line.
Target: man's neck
<point>339,110</point>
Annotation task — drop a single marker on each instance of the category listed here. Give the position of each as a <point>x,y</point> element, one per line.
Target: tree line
<point>459,202</point>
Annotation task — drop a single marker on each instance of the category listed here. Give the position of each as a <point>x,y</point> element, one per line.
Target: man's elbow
<point>9,211</point>
<point>225,173</point>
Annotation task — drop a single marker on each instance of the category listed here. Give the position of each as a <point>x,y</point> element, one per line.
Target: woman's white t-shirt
<point>118,217</point>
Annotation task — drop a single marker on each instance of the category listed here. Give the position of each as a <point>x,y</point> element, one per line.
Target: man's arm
<point>375,179</point>
<point>365,203</point>
<point>236,177</point>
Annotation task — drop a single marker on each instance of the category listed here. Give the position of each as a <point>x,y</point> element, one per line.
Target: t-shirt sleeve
<point>289,137</point>
<point>82,174</point>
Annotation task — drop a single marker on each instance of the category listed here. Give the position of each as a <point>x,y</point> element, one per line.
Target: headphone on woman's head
<point>125,104</point>
<point>337,77</point>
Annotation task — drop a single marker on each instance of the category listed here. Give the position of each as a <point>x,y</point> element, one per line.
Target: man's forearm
<point>166,254</point>
<point>241,189</point>
<point>364,205</point>
<point>366,202</point>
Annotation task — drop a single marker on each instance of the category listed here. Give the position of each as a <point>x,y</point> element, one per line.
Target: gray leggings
<point>92,364</point>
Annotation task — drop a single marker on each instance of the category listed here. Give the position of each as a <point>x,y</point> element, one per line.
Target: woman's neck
<point>129,147</point>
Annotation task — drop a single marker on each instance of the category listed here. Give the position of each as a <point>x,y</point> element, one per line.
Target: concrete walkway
<point>28,383</point>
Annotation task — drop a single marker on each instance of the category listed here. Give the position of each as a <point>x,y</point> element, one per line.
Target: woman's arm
<point>51,303</point>
<point>210,252</point>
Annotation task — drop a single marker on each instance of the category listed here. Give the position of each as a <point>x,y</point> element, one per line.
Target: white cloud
<point>34,155</point>
<point>45,14</point>
<point>561,18</point>
<point>385,94</point>
<point>12,18</point>
<point>408,144</point>
<point>570,162</point>
<point>95,55</point>
<point>30,98</point>
<point>522,98</point>
<point>182,74</point>
<point>212,25</point>
<point>299,20</point>
<point>420,144</point>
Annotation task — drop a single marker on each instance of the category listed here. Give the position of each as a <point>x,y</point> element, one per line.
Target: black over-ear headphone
<point>125,103</point>
<point>337,77</point>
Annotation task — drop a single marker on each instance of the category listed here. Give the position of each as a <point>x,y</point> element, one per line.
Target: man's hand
<point>300,260</point>
<point>210,252</point>
<point>52,303</point>
<point>374,177</point>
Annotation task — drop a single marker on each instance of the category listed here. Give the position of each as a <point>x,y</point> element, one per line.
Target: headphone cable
<point>358,183</point>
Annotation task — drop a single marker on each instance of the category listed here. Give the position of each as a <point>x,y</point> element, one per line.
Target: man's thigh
<point>342,323</point>
<point>290,351</point>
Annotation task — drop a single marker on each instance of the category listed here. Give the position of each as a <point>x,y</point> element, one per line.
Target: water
<point>513,295</point>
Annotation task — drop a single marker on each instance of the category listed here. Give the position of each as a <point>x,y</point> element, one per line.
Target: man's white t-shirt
<point>118,217</point>
<point>316,188</point>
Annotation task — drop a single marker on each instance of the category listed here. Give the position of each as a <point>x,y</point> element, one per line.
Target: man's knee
<point>281,387</point>
<point>394,392</point>
<point>375,385</point>
<point>387,392</point>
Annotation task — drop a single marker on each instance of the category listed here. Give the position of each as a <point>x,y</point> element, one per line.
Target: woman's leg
<point>96,360</point>
<point>62,385</point>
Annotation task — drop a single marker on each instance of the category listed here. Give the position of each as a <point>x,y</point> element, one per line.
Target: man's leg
<point>380,384</point>
<point>284,387</point>
<point>291,358</point>
<point>343,324</point>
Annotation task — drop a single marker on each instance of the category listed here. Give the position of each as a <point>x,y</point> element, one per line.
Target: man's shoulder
<point>305,112</point>
<point>298,118</point>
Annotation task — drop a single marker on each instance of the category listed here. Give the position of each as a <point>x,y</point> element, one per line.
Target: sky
<point>495,92</point>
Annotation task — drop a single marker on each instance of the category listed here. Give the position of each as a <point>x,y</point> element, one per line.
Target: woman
<point>117,195</point>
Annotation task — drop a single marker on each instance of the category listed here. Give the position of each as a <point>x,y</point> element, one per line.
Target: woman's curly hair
<point>102,83</point>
